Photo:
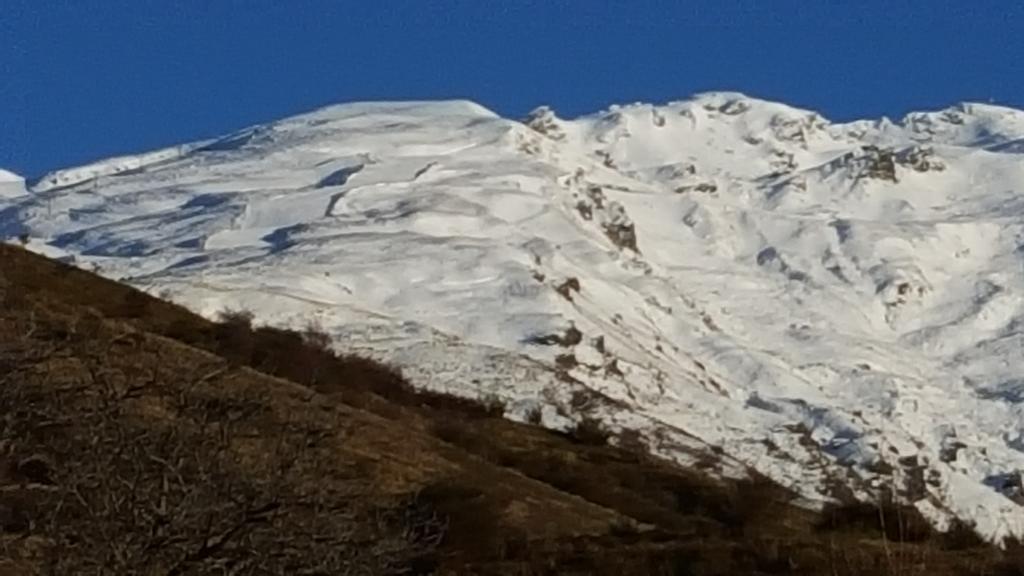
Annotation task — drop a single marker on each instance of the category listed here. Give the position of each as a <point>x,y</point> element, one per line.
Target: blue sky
<point>85,79</point>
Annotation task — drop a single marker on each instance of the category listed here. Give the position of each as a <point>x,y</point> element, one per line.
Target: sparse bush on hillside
<point>887,516</point>
<point>233,335</point>
<point>631,441</point>
<point>236,317</point>
<point>494,406</point>
<point>757,501</point>
<point>961,535</point>
<point>315,336</point>
<point>535,416</point>
<point>590,431</point>
<point>136,304</point>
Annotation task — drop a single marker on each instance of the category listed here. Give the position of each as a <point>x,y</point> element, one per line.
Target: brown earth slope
<point>137,438</point>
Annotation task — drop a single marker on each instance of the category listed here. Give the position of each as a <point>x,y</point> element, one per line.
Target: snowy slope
<point>11,185</point>
<point>836,305</point>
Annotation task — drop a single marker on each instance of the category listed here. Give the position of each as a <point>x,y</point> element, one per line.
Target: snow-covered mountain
<point>741,282</point>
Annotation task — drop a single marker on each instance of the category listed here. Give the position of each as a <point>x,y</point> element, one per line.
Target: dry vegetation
<point>136,438</point>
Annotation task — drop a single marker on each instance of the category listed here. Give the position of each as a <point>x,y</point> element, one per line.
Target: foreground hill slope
<point>837,305</point>
<point>138,438</point>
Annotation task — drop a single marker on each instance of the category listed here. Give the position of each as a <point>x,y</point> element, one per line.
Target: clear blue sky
<point>84,79</point>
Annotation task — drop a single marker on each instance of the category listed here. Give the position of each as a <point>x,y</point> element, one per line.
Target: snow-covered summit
<point>838,305</point>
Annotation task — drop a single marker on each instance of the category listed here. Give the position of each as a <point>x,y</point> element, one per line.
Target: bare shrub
<point>590,431</point>
<point>535,416</point>
<point>887,516</point>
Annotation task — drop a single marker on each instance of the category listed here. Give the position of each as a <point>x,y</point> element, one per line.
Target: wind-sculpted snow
<point>836,305</point>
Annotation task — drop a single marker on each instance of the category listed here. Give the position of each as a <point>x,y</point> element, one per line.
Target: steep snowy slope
<point>836,305</point>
